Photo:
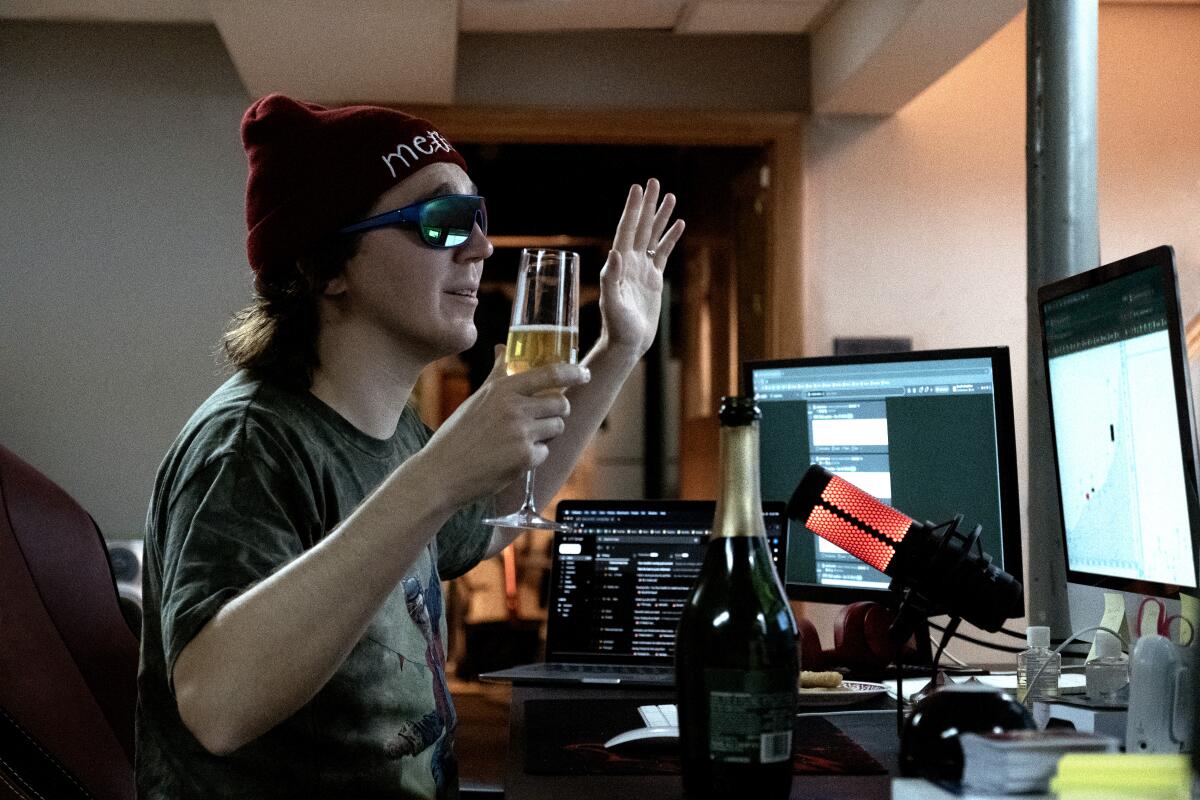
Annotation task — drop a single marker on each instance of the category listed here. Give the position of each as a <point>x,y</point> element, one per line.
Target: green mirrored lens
<point>448,221</point>
<point>444,237</point>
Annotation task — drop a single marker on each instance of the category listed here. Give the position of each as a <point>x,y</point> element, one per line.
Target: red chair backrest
<point>68,661</point>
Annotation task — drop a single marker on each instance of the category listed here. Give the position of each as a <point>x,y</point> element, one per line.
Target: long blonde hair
<point>275,337</point>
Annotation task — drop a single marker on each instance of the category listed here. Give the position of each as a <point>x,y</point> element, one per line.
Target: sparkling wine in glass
<point>544,331</point>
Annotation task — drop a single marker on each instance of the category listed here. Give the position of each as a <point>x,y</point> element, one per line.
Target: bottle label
<point>750,715</point>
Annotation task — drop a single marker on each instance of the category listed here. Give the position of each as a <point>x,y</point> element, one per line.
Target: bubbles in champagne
<point>533,346</point>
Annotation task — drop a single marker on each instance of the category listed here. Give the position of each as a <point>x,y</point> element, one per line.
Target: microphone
<point>942,566</point>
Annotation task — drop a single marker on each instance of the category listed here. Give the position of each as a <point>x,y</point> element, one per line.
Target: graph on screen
<point>1123,480</point>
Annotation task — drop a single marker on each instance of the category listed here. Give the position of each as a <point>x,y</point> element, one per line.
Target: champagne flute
<point>544,330</point>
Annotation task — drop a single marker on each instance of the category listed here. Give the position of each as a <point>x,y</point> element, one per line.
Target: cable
<point>946,652</point>
<point>956,659</point>
<point>981,642</point>
<point>1032,682</point>
<point>1064,641</point>
<point>947,635</point>
<point>1000,647</point>
<point>1021,636</point>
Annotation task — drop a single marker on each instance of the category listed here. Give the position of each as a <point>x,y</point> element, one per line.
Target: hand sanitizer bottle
<point>1038,663</point>
<point>1107,675</point>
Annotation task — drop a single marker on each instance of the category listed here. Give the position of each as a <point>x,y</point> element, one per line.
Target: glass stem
<point>529,504</point>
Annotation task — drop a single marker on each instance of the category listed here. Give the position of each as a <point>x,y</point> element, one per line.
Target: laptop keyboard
<point>614,669</point>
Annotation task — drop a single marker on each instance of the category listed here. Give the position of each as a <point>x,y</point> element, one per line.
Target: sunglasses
<point>441,222</point>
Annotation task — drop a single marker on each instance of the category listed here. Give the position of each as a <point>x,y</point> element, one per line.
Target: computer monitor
<point>928,432</point>
<point>1121,420</point>
<point>620,577</point>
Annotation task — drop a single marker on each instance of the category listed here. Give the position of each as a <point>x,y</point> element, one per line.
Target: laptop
<point>618,582</point>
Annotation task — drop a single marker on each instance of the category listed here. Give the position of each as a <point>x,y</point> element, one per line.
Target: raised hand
<point>632,279</point>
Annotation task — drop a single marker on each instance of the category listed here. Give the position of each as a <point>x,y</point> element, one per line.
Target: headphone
<point>860,640</point>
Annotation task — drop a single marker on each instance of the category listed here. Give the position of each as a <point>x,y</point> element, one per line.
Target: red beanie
<point>315,169</point>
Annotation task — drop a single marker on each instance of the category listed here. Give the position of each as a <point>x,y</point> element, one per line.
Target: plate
<point>848,693</point>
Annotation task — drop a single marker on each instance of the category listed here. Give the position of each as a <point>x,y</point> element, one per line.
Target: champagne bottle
<point>736,662</point>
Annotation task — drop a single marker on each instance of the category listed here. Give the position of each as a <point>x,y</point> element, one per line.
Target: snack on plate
<point>820,680</point>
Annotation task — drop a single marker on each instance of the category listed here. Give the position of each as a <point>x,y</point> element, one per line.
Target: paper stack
<point>1022,761</point>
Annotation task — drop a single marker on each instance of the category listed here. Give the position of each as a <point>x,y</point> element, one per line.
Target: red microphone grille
<point>855,541</point>
<point>848,498</point>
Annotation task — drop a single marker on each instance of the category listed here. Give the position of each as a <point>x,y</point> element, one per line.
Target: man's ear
<point>335,286</point>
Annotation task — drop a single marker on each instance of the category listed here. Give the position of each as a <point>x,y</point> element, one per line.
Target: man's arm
<point>270,650</point>
<point>631,286</point>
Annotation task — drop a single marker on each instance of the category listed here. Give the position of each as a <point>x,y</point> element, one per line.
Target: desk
<point>875,733</point>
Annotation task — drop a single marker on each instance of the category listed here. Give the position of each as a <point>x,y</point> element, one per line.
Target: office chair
<point>68,661</point>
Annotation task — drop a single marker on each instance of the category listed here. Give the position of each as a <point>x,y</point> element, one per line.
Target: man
<point>304,517</point>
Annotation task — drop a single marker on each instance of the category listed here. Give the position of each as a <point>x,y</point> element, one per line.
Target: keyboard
<point>665,715</point>
<point>615,669</point>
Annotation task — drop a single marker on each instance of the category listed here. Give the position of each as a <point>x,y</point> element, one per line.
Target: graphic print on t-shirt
<point>425,608</point>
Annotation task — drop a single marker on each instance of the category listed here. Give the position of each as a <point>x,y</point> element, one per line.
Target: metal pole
<point>1063,239</point>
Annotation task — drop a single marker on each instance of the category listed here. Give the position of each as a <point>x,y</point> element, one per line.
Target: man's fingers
<point>641,239</point>
<point>662,217</point>
<point>540,454</point>
<point>667,243</point>
<point>627,227</point>
<point>550,405</point>
<point>543,430</point>
<point>556,376</point>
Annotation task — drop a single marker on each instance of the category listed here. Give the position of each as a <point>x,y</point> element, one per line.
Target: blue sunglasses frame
<point>441,234</point>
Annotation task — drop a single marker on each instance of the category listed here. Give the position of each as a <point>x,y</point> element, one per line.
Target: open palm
<point>631,282</point>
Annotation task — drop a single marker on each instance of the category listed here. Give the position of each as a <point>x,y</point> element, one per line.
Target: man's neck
<point>365,381</point>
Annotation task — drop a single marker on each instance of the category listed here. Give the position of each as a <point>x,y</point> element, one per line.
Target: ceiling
<point>406,51</point>
<point>506,16</point>
<point>867,56</point>
<point>488,16</point>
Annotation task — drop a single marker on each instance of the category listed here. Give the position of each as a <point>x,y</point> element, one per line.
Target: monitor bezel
<point>1162,260</point>
<point>1006,456</point>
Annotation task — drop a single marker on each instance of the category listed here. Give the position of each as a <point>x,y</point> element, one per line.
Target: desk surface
<point>875,733</point>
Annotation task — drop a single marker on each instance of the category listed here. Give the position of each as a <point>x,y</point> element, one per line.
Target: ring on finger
<point>650,252</point>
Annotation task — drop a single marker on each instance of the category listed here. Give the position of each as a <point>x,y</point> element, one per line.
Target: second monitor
<point>930,433</point>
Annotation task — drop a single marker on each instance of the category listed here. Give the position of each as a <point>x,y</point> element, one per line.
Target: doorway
<point>571,195</point>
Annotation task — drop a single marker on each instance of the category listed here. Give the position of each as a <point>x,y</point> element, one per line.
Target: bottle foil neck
<point>739,503</point>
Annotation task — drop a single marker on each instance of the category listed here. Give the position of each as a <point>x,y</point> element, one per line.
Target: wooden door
<point>725,319</point>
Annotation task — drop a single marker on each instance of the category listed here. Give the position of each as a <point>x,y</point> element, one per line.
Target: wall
<point>121,251</point>
<point>923,213</point>
<point>633,69</point>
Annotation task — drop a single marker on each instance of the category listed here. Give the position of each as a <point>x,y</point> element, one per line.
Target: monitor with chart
<point>930,433</point>
<point>1121,420</point>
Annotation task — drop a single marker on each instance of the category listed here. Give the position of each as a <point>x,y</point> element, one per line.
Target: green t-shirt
<point>257,476</point>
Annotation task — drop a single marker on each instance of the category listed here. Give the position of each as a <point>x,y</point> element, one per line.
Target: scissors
<point>1152,618</point>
